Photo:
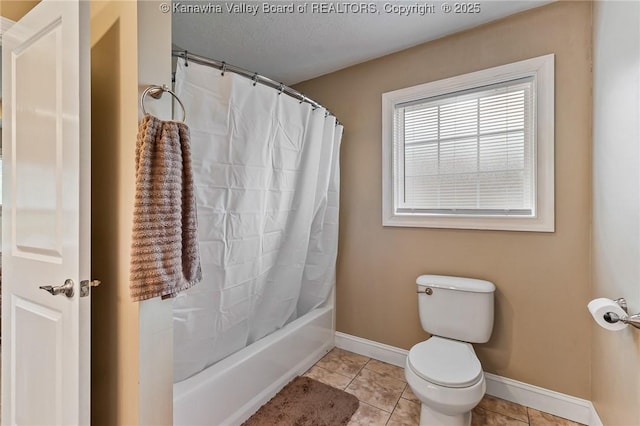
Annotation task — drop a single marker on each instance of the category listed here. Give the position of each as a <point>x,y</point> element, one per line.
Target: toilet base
<point>430,417</point>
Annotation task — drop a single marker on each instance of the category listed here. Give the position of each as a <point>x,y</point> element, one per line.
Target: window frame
<point>541,69</point>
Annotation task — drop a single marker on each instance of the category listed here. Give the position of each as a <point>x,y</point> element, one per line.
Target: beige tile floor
<point>385,398</point>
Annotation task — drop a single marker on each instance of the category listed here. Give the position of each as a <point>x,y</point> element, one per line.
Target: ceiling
<point>293,47</point>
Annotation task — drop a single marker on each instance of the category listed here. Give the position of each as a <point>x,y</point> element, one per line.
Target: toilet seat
<point>448,363</point>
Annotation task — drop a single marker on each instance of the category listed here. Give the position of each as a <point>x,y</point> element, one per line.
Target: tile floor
<point>385,398</point>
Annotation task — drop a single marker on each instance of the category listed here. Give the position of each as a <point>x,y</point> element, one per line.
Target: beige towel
<point>164,252</point>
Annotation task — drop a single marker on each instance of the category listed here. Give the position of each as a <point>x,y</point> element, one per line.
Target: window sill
<point>495,223</point>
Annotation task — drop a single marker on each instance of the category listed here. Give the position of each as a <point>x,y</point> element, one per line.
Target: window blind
<point>467,152</point>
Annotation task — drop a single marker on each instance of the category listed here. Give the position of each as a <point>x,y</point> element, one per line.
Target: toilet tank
<point>456,308</point>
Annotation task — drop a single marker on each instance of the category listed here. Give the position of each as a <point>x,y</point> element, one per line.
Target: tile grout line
<point>334,372</point>
<point>356,375</point>
<point>528,422</point>
<point>364,366</point>
<point>374,406</point>
<point>378,373</point>
<point>395,407</point>
<point>382,374</point>
<point>349,384</point>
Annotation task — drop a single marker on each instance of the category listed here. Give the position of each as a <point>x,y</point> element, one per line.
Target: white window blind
<point>469,152</point>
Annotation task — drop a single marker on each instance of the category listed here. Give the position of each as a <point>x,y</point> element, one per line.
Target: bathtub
<point>228,392</point>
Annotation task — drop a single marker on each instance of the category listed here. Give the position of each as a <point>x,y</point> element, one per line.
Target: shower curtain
<point>267,186</point>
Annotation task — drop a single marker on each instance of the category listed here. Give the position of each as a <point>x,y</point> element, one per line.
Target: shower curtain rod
<point>257,78</point>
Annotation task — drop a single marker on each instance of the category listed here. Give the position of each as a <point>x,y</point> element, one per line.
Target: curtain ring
<point>186,58</point>
<point>280,89</point>
<point>255,79</point>
<point>303,98</point>
<point>224,68</point>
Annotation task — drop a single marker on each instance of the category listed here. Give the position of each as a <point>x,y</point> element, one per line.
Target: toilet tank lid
<point>456,283</point>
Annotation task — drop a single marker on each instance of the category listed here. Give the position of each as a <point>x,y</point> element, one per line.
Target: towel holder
<point>156,92</point>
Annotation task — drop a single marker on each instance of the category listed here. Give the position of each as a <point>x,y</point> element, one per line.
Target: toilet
<point>444,372</point>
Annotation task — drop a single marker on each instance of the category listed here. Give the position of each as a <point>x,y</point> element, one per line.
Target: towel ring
<point>156,93</point>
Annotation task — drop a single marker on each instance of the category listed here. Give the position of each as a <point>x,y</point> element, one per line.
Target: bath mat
<point>306,402</point>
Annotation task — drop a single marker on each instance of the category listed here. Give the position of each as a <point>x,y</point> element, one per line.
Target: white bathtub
<point>228,392</point>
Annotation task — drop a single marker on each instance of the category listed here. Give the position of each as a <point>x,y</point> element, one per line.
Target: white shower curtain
<point>267,186</point>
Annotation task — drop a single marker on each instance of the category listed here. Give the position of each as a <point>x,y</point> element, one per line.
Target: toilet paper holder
<point>612,317</point>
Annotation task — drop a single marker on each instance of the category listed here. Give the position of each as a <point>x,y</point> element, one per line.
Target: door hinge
<point>85,287</point>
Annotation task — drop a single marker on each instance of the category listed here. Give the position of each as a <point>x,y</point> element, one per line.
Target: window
<point>474,151</point>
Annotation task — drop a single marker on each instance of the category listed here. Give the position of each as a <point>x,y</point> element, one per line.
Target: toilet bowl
<point>444,372</point>
<point>446,376</point>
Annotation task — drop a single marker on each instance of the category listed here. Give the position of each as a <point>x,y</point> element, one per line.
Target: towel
<point>164,253</point>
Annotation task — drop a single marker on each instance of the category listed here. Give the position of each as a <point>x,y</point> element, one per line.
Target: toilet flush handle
<point>428,291</point>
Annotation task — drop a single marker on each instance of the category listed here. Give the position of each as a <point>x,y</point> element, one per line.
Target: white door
<point>45,216</point>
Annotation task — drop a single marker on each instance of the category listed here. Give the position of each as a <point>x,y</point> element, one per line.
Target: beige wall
<point>132,352</point>
<point>542,329</point>
<point>16,9</point>
<point>615,387</point>
<point>114,89</point>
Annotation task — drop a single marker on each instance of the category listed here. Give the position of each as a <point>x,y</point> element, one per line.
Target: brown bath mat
<point>306,402</point>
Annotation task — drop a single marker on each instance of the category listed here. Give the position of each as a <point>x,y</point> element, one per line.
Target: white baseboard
<point>594,418</point>
<point>556,403</point>
<point>380,351</point>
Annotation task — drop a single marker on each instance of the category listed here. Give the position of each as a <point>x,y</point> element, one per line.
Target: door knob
<point>66,288</point>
